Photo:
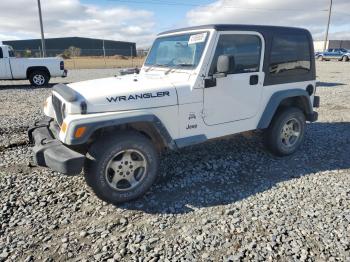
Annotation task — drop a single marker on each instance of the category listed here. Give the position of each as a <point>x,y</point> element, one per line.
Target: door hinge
<point>209,82</point>
<point>203,113</point>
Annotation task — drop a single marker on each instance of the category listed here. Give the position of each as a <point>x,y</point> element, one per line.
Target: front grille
<point>57,105</point>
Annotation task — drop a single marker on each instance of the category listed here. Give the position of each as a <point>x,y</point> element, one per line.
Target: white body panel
<point>234,99</point>
<point>126,93</point>
<point>16,68</point>
<point>5,70</point>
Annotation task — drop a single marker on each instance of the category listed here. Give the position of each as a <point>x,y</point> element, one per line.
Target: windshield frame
<point>194,67</point>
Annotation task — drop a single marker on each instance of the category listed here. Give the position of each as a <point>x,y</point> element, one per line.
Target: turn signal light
<point>64,127</point>
<point>80,132</point>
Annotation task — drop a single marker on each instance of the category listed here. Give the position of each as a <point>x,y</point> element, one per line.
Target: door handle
<point>253,80</point>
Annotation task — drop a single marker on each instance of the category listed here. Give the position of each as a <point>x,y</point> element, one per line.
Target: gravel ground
<point>225,200</point>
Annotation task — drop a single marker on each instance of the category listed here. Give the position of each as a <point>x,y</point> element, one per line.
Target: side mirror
<point>225,64</point>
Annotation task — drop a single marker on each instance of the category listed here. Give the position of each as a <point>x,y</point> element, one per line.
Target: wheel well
<point>37,68</point>
<point>147,129</point>
<point>300,102</point>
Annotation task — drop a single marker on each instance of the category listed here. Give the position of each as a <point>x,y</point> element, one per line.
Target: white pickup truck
<point>37,70</point>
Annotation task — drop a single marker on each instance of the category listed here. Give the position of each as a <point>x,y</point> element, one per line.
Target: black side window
<point>290,55</point>
<point>245,49</point>
<point>1,55</point>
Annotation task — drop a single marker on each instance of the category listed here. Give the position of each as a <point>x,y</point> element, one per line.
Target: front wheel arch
<point>104,150</point>
<point>146,129</point>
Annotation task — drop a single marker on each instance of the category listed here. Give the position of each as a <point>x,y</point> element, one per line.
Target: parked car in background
<point>339,54</point>
<point>37,70</point>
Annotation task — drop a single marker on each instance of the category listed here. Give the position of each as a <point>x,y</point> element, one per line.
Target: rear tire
<point>286,132</point>
<point>320,58</point>
<point>39,78</point>
<point>121,168</point>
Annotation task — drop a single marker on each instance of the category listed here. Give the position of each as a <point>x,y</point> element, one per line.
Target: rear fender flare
<point>276,99</point>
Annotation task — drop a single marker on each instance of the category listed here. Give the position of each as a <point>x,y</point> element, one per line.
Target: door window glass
<point>290,54</point>
<point>11,52</point>
<point>245,49</point>
<point>1,55</point>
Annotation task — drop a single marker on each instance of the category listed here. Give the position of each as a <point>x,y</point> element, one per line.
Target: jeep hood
<point>127,92</point>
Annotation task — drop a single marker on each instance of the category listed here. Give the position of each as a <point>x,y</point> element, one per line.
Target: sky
<point>141,20</point>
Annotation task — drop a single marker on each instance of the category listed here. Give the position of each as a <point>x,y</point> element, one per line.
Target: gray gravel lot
<point>225,200</point>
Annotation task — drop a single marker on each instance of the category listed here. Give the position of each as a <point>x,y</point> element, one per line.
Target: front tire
<point>121,168</point>
<point>286,132</point>
<point>39,78</point>
<point>345,58</point>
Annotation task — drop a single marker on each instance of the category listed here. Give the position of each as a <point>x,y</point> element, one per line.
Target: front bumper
<point>50,152</point>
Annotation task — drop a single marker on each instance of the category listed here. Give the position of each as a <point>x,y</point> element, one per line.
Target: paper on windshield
<point>198,38</point>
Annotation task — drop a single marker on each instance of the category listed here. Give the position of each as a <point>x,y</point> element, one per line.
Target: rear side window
<point>1,55</point>
<point>290,55</point>
<point>245,49</point>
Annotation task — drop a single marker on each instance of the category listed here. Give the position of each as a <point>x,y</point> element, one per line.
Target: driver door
<point>5,71</point>
<point>235,96</point>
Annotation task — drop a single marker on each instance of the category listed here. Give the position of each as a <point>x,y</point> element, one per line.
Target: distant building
<point>88,46</point>
<point>318,45</point>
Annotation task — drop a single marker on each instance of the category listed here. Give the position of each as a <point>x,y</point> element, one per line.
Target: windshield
<point>177,51</point>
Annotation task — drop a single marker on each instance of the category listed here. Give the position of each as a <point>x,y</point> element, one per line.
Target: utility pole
<point>42,31</point>
<point>103,48</point>
<point>132,56</point>
<point>104,52</point>
<point>329,21</point>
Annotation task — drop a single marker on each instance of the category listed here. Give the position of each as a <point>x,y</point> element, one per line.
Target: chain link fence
<point>76,58</point>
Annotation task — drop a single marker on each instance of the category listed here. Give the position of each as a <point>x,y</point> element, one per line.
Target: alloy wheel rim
<point>126,170</point>
<point>39,79</point>
<point>290,132</point>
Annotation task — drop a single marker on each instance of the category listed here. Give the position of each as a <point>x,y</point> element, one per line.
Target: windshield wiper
<point>185,65</point>
<point>154,65</point>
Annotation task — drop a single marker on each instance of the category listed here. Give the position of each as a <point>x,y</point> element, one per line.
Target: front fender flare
<point>95,125</point>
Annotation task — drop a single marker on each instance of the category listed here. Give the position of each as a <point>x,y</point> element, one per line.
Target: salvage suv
<point>196,84</point>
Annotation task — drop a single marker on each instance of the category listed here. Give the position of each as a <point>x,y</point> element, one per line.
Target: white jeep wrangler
<point>196,84</point>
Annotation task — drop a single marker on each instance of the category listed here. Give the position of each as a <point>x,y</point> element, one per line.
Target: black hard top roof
<point>239,27</point>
